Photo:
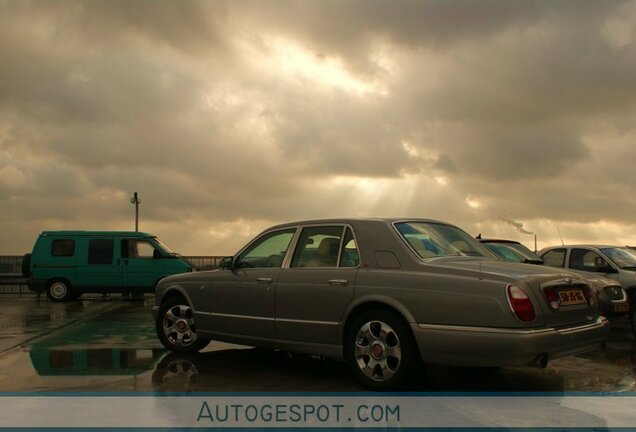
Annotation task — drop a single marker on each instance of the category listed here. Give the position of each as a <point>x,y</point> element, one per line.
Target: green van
<point>67,264</point>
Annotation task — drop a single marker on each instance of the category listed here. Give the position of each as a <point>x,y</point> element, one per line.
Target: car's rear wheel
<point>59,291</point>
<point>176,328</point>
<point>380,350</point>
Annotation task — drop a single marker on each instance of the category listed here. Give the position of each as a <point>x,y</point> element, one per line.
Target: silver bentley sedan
<point>385,295</point>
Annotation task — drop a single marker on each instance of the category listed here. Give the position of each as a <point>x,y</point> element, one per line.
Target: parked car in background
<point>385,295</point>
<point>615,262</point>
<point>66,264</point>
<point>613,301</point>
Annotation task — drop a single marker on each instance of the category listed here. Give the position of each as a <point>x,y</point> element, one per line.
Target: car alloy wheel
<point>178,325</point>
<point>176,328</point>
<point>377,351</point>
<point>381,351</point>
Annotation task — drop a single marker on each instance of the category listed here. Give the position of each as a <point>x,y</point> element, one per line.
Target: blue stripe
<point>323,394</point>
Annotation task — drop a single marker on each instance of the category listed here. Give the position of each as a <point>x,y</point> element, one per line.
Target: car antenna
<point>560,236</point>
<point>478,236</point>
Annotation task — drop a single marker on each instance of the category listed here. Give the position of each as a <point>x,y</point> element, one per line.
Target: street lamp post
<point>136,201</point>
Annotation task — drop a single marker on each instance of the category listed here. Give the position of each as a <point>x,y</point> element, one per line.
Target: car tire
<point>59,291</point>
<point>632,315</point>
<point>381,351</point>
<point>176,329</point>
<point>26,265</point>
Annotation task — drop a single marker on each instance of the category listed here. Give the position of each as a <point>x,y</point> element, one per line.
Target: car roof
<point>598,246</point>
<point>78,233</point>
<point>354,221</point>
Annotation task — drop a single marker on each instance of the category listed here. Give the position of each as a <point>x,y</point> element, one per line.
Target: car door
<point>590,261</point>
<point>314,290</point>
<point>243,297</point>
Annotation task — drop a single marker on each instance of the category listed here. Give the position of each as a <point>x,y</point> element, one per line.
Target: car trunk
<point>566,287</point>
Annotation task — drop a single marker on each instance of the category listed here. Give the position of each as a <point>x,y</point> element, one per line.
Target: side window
<point>582,259</point>
<point>554,258</point>
<point>349,256</point>
<point>267,251</point>
<point>100,251</point>
<point>63,248</point>
<point>137,249</point>
<point>318,247</point>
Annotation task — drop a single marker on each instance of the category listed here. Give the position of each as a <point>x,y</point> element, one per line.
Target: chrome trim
<point>599,322</point>
<point>237,316</point>
<point>307,321</point>
<point>269,319</point>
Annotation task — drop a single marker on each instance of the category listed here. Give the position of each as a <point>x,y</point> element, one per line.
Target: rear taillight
<point>590,295</point>
<point>520,303</point>
<point>553,298</point>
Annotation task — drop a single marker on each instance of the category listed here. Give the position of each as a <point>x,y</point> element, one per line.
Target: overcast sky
<point>228,117</point>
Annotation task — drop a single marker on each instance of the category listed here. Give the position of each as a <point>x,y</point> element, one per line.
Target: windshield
<point>623,257</point>
<point>163,247</point>
<point>429,239</point>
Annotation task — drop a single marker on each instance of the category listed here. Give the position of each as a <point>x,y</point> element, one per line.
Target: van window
<point>100,251</point>
<point>63,247</point>
<point>137,249</point>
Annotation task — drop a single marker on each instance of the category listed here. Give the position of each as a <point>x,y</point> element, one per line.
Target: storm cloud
<point>230,116</point>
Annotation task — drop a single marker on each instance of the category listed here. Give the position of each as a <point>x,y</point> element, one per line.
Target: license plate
<point>621,307</point>
<point>571,297</point>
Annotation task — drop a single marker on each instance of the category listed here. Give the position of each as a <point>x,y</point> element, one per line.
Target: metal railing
<point>12,282</point>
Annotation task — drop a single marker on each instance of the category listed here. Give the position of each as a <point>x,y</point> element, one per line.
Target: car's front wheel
<point>380,350</point>
<point>176,328</point>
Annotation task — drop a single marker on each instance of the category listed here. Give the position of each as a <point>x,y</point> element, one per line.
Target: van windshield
<point>165,249</point>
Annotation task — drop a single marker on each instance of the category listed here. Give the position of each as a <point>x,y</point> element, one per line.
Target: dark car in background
<point>614,262</point>
<point>612,298</point>
<point>385,295</point>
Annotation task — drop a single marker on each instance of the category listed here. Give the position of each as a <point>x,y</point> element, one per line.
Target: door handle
<point>264,280</point>
<point>337,282</point>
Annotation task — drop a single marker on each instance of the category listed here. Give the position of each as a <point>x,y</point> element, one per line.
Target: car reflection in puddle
<point>266,370</point>
<point>97,361</point>
<point>250,370</point>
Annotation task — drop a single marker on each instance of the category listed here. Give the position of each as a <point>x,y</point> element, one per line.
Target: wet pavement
<point>98,345</point>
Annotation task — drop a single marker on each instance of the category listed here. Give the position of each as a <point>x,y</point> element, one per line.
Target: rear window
<point>63,247</point>
<point>100,251</point>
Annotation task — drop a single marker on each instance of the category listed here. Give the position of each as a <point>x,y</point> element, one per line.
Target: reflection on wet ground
<point>110,345</point>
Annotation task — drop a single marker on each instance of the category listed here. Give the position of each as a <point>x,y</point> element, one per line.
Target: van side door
<point>99,265</point>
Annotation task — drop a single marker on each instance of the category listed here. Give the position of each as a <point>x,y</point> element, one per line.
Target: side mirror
<point>156,254</point>
<point>226,262</point>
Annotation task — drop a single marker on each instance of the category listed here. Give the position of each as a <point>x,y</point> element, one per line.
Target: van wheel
<point>59,291</point>
<point>176,329</point>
